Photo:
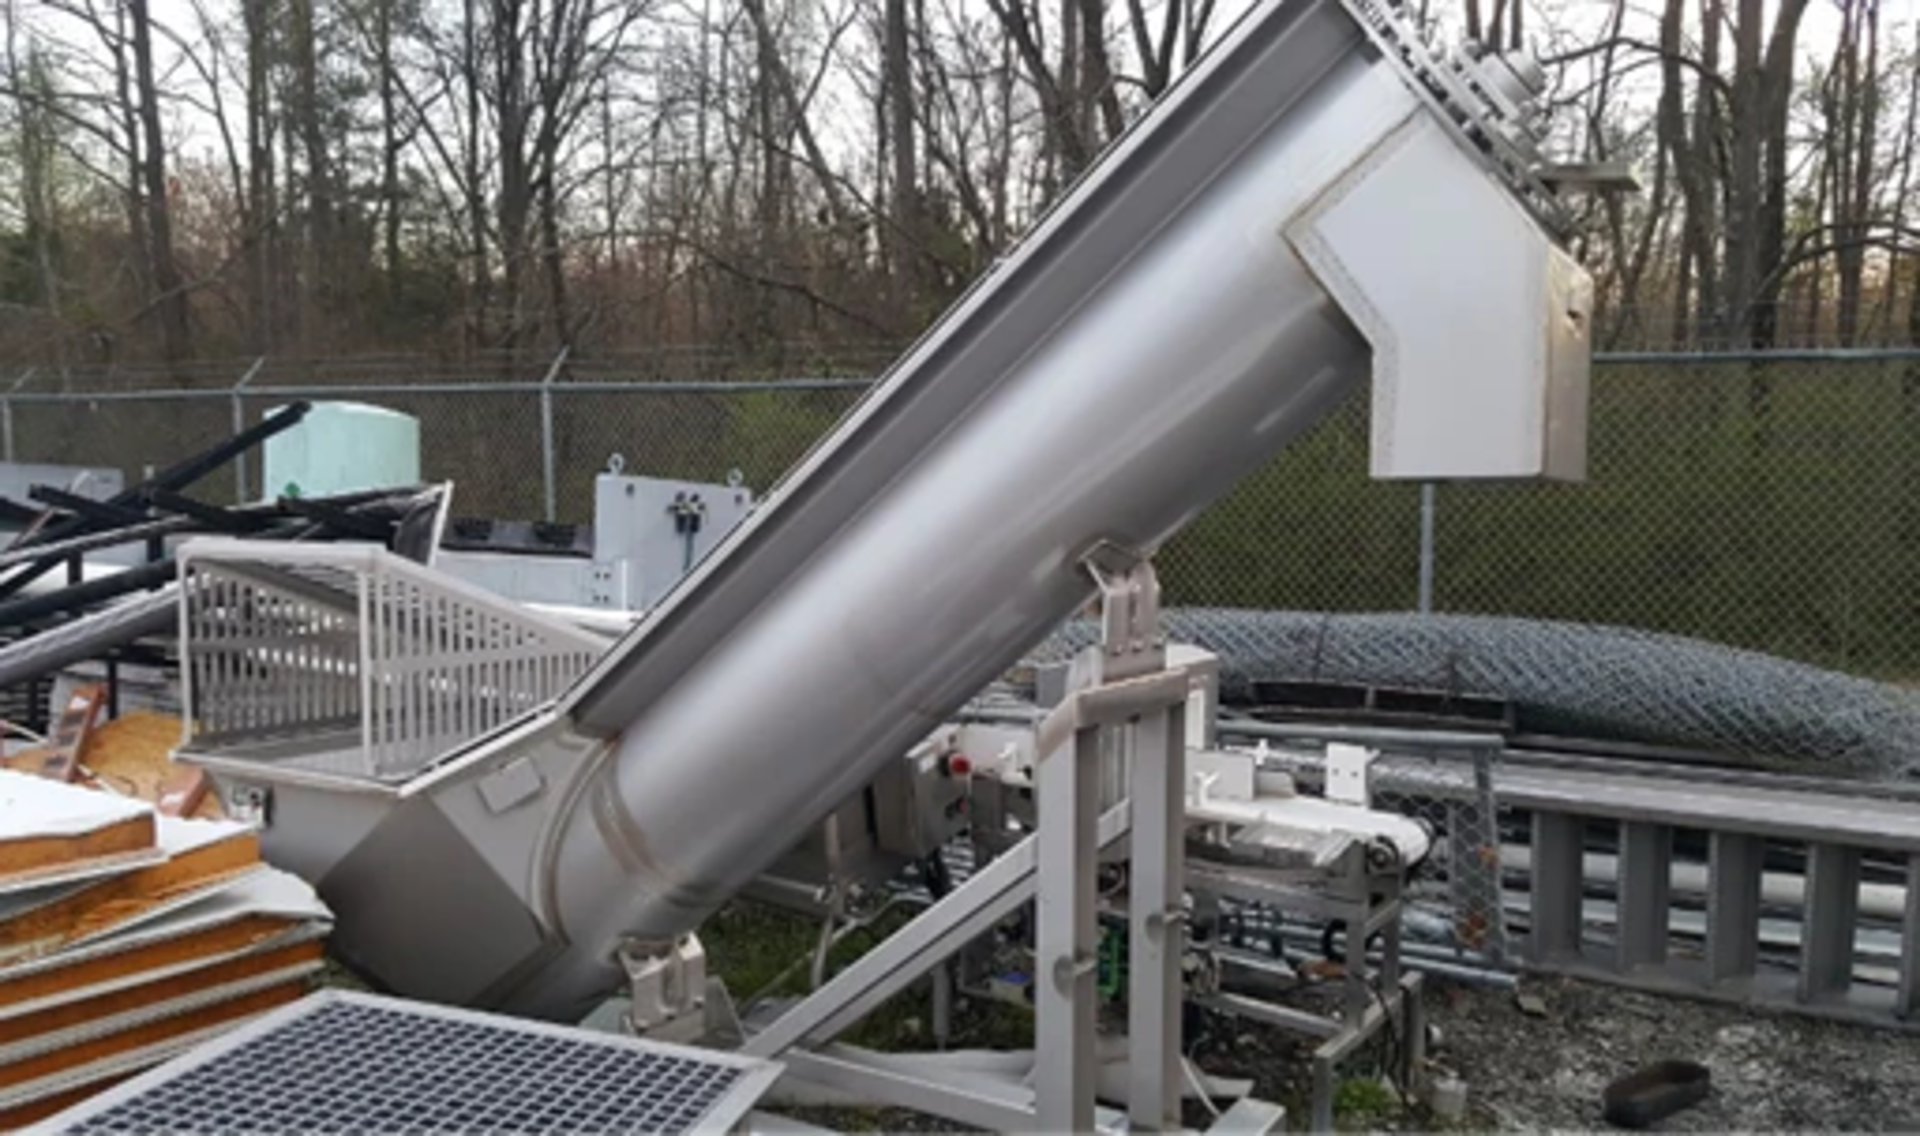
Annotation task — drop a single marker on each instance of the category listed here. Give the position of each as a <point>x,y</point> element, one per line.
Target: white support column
<point>1123,684</point>
<point>1065,1060</point>
<point>1157,935</point>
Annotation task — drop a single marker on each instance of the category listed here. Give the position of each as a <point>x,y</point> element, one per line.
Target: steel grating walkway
<point>339,1062</point>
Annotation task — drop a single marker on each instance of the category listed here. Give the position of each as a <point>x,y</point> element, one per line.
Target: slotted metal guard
<point>349,661</point>
<point>343,1061</point>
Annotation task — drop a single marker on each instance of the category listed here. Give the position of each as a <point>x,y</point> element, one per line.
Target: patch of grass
<point>750,946</point>
<point>1364,1098</point>
<point>757,949</point>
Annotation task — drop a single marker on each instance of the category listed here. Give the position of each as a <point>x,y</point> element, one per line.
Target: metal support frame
<point>1123,696</point>
<point>1402,1006</point>
<point>1832,914</point>
<point>1121,688</point>
<point>1646,873</point>
<point>1820,961</point>
<point>1733,906</point>
<point>988,896</point>
<point>1558,844</point>
<point>1067,935</point>
<point>1156,886</point>
<point>1363,890</point>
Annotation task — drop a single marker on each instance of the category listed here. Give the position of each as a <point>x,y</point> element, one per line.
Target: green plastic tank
<point>343,447</point>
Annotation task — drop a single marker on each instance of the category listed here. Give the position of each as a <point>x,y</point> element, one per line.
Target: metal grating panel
<point>340,1062</point>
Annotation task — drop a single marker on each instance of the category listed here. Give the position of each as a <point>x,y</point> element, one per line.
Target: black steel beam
<point>341,520</point>
<point>146,530</point>
<point>87,594</point>
<point>14,513</point>
<point>175,478</point>
<point>215,517</point>
<point>99,512</point>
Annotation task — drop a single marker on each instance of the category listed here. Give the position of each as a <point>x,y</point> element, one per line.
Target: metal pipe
<point>549,458</point>
<point>21,611</point>
<point>1362,735</point>
<point>848,383</point>
<point>1438,965</point>
<point>1128,457</point>
<point>1782,355</point>
<point>240,425</point>
<point>418,389</point>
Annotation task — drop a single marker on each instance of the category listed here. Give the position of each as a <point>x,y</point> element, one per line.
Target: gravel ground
<point>1771,1072</point>
<point>1544,1072</point>
<point>1525,1071</point>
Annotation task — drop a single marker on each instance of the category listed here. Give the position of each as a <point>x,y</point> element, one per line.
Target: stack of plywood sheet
<point>131,754</point>
<point>127,935</point>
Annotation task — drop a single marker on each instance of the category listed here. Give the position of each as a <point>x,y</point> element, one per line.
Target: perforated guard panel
<point>340,1062</point>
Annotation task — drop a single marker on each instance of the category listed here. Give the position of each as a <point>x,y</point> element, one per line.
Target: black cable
<point>1391,1036</point>
<point>936,875</point>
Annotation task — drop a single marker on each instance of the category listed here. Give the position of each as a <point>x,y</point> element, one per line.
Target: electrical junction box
<point>342,447</point>
<point>649,532</point>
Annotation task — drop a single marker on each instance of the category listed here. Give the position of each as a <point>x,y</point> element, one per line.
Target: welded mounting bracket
<point>667,987</point>
<point>1132,641</point>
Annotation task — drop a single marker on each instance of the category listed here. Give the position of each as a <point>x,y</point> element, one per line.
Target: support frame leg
<point>1065,1063</point>
<point>1157,925</point>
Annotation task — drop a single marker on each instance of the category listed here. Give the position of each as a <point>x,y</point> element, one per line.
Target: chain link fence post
<point>549,460</point>
<point>6,415</point>
<point>239,426</point>
<point>1427,507</point>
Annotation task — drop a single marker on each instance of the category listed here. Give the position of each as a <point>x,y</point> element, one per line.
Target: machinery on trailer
<point>647,533</point>
<point>502,823</point>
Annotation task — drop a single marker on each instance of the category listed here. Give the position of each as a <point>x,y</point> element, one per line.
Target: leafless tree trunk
<point>907,236</point>
<point>317,292</point>
<point>170,294</point>
<point>390,146</point>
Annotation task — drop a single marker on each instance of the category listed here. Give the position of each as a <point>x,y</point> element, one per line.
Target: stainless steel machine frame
<point>1125,698</point>
<point>1123,690</point>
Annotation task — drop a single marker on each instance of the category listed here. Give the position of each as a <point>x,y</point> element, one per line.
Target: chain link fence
<point>1763,501</point>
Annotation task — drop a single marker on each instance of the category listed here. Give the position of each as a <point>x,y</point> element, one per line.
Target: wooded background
<point>194,179</point>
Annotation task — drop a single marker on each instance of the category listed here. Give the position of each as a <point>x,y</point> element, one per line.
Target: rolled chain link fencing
<point>1567,679</point>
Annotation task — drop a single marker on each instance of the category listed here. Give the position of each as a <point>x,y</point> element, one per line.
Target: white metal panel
<point>1479,323</point>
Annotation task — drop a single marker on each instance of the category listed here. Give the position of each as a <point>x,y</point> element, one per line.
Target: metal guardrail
<point>1644,941</point>
<point>1738,886</point>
